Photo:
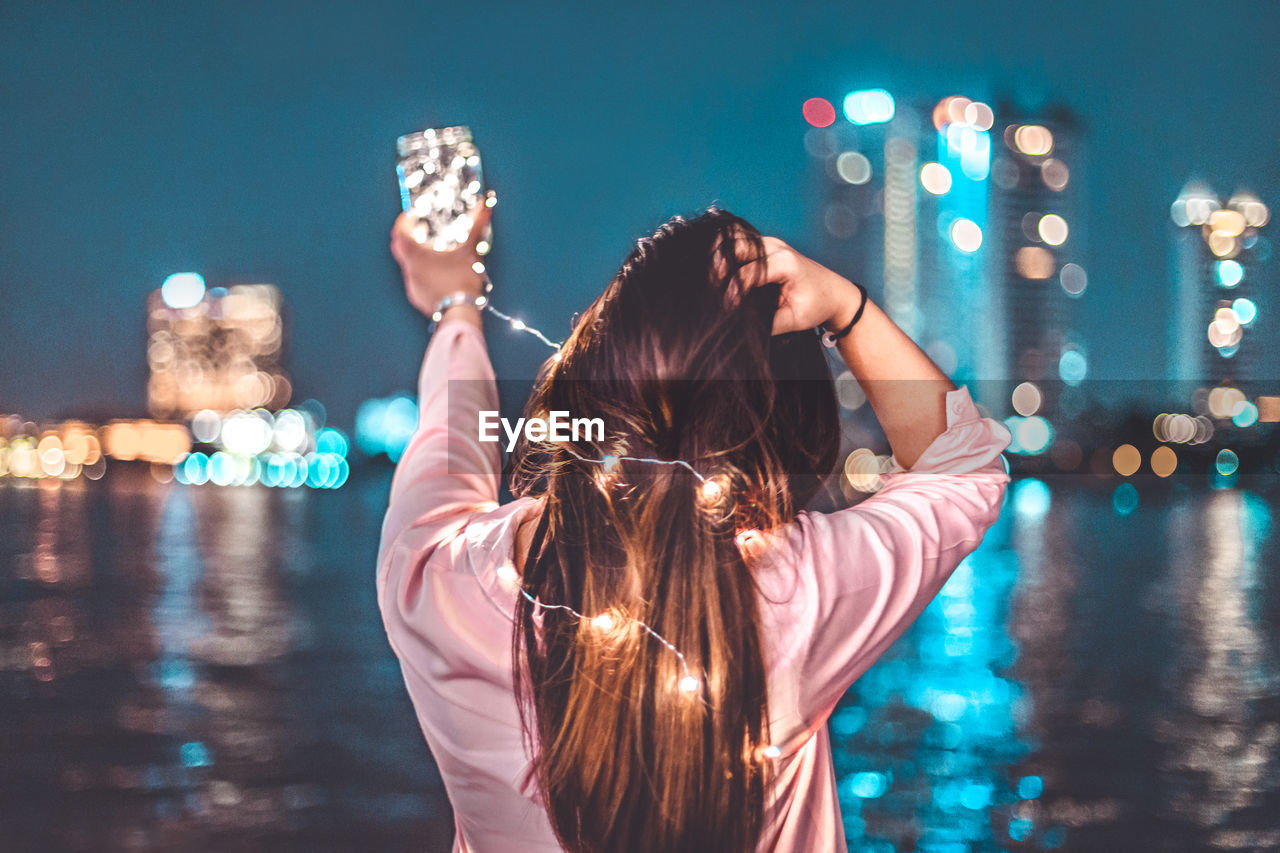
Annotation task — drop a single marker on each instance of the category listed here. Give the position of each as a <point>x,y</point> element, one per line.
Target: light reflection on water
<point>1086,681</point>
<point>197,668</point>
<point>202,668</point>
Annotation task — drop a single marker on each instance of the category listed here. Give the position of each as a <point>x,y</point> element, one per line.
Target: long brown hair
<point>677,358</point>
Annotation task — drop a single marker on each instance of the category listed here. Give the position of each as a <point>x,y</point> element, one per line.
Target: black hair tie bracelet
<point>830,338</point>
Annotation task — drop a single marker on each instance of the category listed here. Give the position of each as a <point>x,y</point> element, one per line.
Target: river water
<point>204,668</point>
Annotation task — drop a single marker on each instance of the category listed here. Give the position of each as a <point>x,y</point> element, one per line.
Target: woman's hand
<point>812,295</point>
<point>430,276</point>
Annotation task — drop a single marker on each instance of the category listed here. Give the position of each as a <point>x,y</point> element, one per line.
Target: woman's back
<point>834,591</point>
<point>657,673</point>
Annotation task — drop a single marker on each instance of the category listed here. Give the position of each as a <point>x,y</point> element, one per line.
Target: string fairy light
<point>607,621</point>
<point>610,462</point>
<point>484,303</point>
<point>709,489</point>
<point>521,326</point>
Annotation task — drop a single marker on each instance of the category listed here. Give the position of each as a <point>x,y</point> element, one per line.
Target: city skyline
<point>273,170</point>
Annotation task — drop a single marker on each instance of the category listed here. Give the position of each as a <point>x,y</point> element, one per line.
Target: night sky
<point>253,145</point>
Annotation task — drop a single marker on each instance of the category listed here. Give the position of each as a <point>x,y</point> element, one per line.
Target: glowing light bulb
<point>518,325</point>
<point>507,573</point>
<point>604,622</point>
<point>478,267</point>
<point>771,751</point>
<point>556,357</point>
<point>711,490</point>
<point>609,461</point>
<point>688,684</point>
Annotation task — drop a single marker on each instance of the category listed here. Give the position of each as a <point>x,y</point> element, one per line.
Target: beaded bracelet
<point>453,300</point>
<point>830,338</point>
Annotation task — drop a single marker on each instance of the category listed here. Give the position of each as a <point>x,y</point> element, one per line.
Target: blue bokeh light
<point>1031,499</point>
<point>1230,273</point>
<point>869,106</point>
<point>1124,499</point>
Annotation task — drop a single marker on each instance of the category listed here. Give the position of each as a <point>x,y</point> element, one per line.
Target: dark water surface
<point>203,668</point>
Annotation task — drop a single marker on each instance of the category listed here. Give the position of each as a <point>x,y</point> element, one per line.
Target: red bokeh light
<point>819,112</point>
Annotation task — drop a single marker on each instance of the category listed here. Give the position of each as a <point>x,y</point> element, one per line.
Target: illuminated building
<point>961,220</point>
<point>1217,335</point>
<point>215,359</point>
<point>1038,239</point>
<point>72,449</point>
<point>219,349</point>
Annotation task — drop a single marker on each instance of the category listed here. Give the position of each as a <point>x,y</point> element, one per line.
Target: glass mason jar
<point>441,184</point>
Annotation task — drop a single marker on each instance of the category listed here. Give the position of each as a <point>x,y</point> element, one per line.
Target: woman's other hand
<point>812,295</point>
<point>430,276</point>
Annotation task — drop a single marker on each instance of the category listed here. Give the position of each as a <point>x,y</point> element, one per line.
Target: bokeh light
<point>1033,139</point>
<point>1053,229</point>
<point>862,469</point>
<point>935,178</point>
<point>1224,400</point>
<point>1245,310</point>
<point>1073,279</point>
<point>1126,459</point>
<point>966,235</point>
<point>1034,262</point>
<point>1230,273</point>
<point>979,116</point>
<point>1227,222</point>
<point>853,168</point>
<point>1031,436</point>
<point>1164,461</point>
<point>1055,175</point>
<point>819,112</point>
<point>1031,499</point>
<point>1246,414</point>
<point>1027,399</point>
<point>332,440</point>
<point>384,426</point>
<point>1125,499</point>
<point>1072,367</point>
<point>182,290</point>
<point>869,106</point>
<point>849,392</point>
<point>206,426</point>
<point>1223,245</point>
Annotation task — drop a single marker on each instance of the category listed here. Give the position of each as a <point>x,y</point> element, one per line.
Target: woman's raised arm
<point>445,471</point>
<point>905,388</point>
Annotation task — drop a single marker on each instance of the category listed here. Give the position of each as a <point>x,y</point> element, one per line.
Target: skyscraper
<point>961,220</point>
<point>219,349</point>
<point>1038,248</point>
<point>1218,331</point>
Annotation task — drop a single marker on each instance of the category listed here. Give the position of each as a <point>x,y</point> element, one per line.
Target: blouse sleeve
<point>446,472</point>
<point>868,571</point>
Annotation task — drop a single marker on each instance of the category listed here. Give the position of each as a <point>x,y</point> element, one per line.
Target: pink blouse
<point>836,590</point>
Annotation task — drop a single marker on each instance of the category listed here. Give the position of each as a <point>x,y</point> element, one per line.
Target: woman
<point>641,651</point>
